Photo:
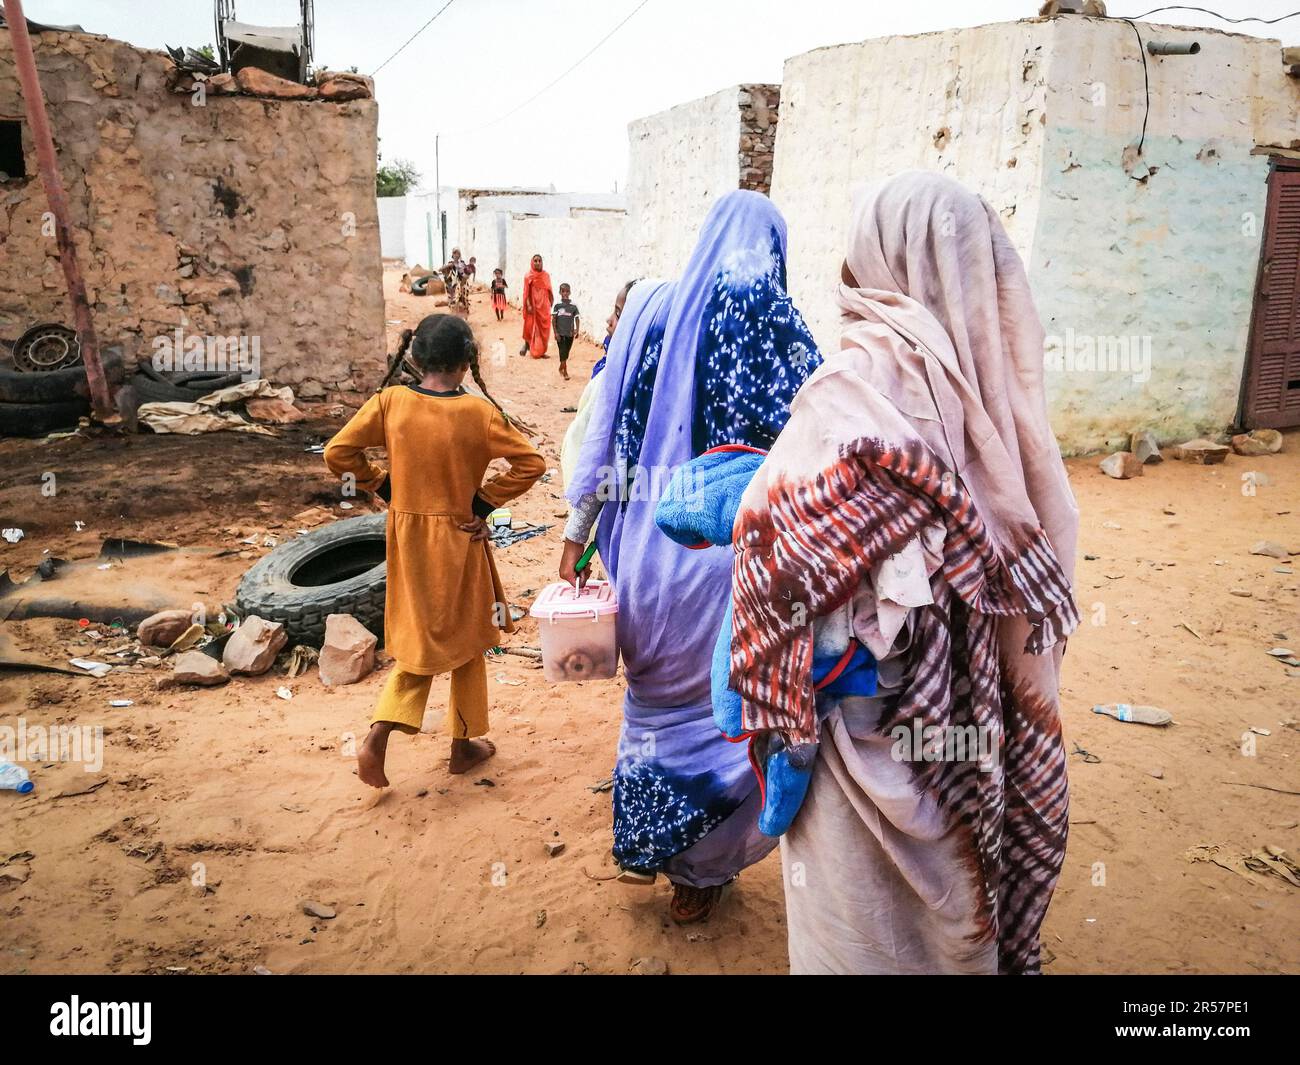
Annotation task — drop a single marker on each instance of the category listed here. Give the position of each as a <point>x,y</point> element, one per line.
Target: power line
<point>1225,18</point>
<point>412,37</point>
<point>550,85</point>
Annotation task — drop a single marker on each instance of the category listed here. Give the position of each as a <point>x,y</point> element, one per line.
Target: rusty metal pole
<point>25,61</point>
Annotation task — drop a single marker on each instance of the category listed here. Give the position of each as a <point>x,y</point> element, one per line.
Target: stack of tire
<point>36,401</point>
<point>153,386</point>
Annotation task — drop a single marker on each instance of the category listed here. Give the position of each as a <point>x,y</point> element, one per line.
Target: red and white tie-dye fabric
<point>933,412</point>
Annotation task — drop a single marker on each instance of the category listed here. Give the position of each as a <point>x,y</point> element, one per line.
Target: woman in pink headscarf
<point>536,303</point>
<point>916,504</point>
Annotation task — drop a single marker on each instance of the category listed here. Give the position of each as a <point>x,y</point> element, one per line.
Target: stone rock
<point>317,909</point>
<point>257,82</point>
<point>275,411</point>
<point>252,647</point>
<point>1245,444</point>
<point>162,629</point>
<point>1202,452</point>
<point>349,651</point>
<point>1269,548</point>
<point>554,848</point>
<point>649,967</point>
<point>1122,465</point>
<point>222,84</point>
<point>194,667</point>
<point>1143,444</point>
<point>336,85</point>
<point>311,390</point>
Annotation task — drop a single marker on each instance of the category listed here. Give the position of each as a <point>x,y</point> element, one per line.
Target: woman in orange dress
<point>537,300</point>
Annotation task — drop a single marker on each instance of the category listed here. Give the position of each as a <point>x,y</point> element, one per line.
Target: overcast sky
<point>482,59</point>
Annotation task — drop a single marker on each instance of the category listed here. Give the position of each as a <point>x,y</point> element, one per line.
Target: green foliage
<point>396,178</point>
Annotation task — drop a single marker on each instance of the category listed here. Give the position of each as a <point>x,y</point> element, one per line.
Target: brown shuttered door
<point>1273,368</point>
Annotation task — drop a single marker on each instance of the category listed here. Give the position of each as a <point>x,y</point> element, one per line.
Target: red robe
<point>537,301</point>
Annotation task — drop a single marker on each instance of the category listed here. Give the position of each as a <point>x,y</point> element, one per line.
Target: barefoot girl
<point>499,293</point>
<point>445,603</point>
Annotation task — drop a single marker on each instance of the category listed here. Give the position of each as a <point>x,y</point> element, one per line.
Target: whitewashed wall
<point>966,102</point>
<point>1157,261</point>
<point>1036,116</point>
<point>392,226</point>
<point>679,162</point>
<point>581,251</point>
<point>421,214</point>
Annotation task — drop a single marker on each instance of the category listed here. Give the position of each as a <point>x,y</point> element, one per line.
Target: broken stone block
<point>554,848</point>
<point>252,647</point>
<point>336,85</point>
<point>1258,442</point>
<point>257,82</point>
<point>1270,549</point>
<point>163,628</point>
<point>1122,465</point>
<point>349,651</point>
<point>194,667</point>
<point>222,84</point>
<point>1202,452</point>
<point>274,410</point>
<point>317,909</point>
<point>649,967</point>
<point>311,390</point>
<point>1245,444</point>
<point>1143,444</point>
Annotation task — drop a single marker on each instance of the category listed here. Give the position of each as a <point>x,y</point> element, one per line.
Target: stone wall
<point>240,216</point>
<point>759,110</point>
<point>1152,258</point>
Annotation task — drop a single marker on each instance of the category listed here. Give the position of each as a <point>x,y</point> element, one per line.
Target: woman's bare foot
<point>370,758</point>
<point>466,754</point>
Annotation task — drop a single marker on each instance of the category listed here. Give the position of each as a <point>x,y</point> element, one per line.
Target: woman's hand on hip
<point>568,560</point>
<point>477,529</point>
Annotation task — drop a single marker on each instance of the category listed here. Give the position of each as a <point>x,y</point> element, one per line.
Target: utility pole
<point>101,401</point>
<point>437,202</point>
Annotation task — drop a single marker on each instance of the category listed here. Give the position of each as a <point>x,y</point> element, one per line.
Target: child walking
<point>564,316</point>
<point>445,603</point>
<point>499,293</point>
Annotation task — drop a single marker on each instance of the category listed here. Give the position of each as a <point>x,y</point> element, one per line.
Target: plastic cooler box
<point>577,631</point>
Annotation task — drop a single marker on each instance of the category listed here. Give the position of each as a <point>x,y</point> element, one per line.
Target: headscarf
<point>736,346</point>
<point>932,416</point>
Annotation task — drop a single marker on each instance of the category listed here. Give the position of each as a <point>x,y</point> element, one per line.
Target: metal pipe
<point>25,61</point>
<point>1173,47</point>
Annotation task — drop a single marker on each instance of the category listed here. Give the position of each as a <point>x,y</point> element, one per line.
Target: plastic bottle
<point>1143,715</point>
<point>14,778</point>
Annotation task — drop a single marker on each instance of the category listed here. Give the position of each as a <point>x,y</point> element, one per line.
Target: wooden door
<point>1272,385</point>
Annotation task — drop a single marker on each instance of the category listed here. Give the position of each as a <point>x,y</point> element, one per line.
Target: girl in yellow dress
<point>445,604</point>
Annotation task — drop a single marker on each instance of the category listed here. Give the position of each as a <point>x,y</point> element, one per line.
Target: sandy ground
<point>256,797</point>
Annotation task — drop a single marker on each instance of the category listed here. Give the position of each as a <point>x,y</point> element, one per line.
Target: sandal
<point>690,905</point>
<point>637,877</point>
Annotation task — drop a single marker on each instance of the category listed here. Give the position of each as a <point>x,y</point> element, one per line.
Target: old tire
<point>340,569</point>
<point>153,388</point>
<point>37,419</point>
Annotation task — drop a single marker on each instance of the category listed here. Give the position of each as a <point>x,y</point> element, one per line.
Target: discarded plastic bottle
<point>14,778</point>
<point>1143,715</point>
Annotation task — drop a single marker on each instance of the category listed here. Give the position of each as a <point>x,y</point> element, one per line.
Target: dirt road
<point>256,797</point>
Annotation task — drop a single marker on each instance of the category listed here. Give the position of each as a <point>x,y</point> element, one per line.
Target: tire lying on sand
<point>37,419</point>
<point>340,569</point>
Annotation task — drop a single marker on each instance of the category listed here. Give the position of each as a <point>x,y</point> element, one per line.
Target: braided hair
<point>445,342</point>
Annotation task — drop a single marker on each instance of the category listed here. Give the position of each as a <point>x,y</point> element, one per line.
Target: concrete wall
<point>422,225</point>
<point>969,102</point>
<point>392,226</point>
<point>1036,117</point>
<point>1158,257</point>
<point>679,162</point>
<point>574,250</point>
<point>243,216</point>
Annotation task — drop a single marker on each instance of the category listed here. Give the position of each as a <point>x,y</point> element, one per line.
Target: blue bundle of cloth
<point>699,509</point>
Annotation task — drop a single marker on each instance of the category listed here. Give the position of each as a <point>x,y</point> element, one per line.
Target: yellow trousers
<point>405,695</point>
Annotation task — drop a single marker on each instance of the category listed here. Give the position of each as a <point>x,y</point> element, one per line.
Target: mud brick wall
<point>225,216</point>
<point>759,110</point>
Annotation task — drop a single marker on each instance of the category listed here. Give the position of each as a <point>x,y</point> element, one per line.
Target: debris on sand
<point>317,909</point>
<point>1122,465</point>
<point>349,651</point>
<point>1142,715</point>
<point>1257,442</point>
<point>252,647</point>
<point>196,668</point>
<point>1202,452</point>
<point>649,967</point>
<point>164,628</point>
<point>1143,444</point>
<point>1270,549</point>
